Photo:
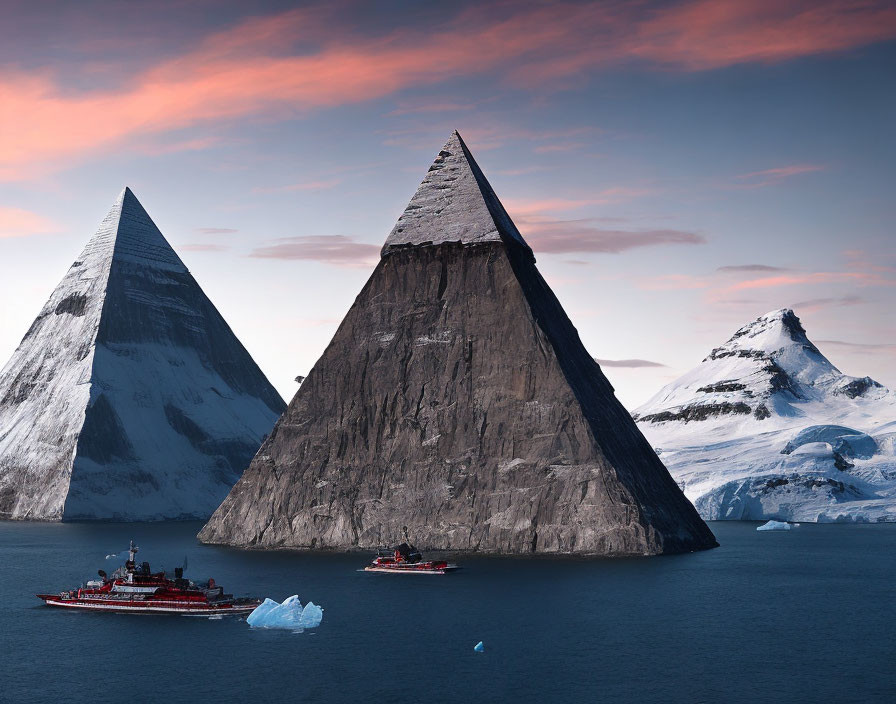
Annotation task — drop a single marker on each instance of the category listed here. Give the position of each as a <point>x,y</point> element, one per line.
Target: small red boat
<point>406,560</point>
<point>136,589</point>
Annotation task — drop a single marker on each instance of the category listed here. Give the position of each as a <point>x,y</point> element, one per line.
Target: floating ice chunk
<point>289,615</point>
<point>256,618</point>
<point>479,647</point>
<point>116,554</point>
<point>312,615</point>
<point>775,525</point>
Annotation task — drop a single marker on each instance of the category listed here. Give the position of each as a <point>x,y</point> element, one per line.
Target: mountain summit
<point>129,397</point>
<point>767,368</point>
<point>454,203</point>
<point>766,427</point>
<point>457,406</point>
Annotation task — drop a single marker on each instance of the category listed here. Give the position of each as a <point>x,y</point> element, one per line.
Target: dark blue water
<point>805,616</point>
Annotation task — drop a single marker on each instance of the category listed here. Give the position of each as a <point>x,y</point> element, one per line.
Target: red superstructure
<point>406,560</point>
<point>134,589</point>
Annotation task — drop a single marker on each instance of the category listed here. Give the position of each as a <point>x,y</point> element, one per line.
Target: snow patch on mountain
<point>767,428</point>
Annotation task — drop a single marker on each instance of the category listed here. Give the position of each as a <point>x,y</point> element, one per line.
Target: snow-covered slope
<point>129,397</point>
<point>766,427</point>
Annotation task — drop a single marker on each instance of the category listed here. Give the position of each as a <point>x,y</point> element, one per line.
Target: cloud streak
<point>283,65</point>
<point>578,236</point>
<point>819,303</point>
<point>330,249</point>
<point>751,268</point>
<point>547,233</point>
<point>16,222</point>
<point>858,278</point>
<point>770,177</point>
<point>628,363</point>
<point>216,230</point>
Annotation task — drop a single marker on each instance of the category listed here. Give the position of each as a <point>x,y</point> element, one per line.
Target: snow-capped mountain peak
<point>766,427</point>
<point>768,368</point>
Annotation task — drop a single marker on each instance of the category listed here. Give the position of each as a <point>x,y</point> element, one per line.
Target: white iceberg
<point>775,525</point>
<point>289,615</point>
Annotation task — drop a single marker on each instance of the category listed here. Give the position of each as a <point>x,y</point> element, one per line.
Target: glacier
<point>765,427</point>
<point>129,398</point>
<point>289,614</point>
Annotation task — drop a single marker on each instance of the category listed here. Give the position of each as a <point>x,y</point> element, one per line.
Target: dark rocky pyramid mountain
<point>457,403</point>
<point>130,397</point>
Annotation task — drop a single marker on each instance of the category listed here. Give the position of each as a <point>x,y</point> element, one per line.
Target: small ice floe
<point>116,554</point>
<point>289,615</point>
<point>775,525</point>
<point>479,647</point>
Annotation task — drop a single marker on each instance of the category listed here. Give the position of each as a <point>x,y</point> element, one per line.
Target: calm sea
<point>804,616</point>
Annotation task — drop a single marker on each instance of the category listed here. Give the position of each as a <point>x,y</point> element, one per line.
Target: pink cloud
<point>628,363</point>
<point>708,34</point>
<point>16,222</point>
<point>216,230</point>
<point>818,277</point>
<point>530,207</point>
<point>546,232</point>
<point>571,236</point>
<point>331,249</point>
<point>186,145</point>
<point>768,177</point>
<point>286,64</point>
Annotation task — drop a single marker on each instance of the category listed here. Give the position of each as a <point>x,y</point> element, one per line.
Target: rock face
<point>129,398</point>
<point>767,428</point>
<point>456,401</point>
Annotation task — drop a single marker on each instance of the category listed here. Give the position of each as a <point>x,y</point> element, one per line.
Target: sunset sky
<point>679,168</point>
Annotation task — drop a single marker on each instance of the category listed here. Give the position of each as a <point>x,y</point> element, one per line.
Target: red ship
<point>136,589</point>
<point>406,560</point>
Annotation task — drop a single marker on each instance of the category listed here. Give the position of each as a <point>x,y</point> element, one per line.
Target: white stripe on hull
<point>150,609</point>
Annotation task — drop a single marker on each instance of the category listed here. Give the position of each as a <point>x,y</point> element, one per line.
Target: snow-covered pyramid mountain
<point>129,398</point>
<point>766,427</point>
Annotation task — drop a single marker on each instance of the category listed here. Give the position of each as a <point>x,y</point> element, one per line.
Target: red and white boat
<point>406,560</point>
<point>136,589</point>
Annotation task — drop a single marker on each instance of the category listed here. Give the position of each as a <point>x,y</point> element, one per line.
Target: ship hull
<point>411,569</point>
<point>133,606</point>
